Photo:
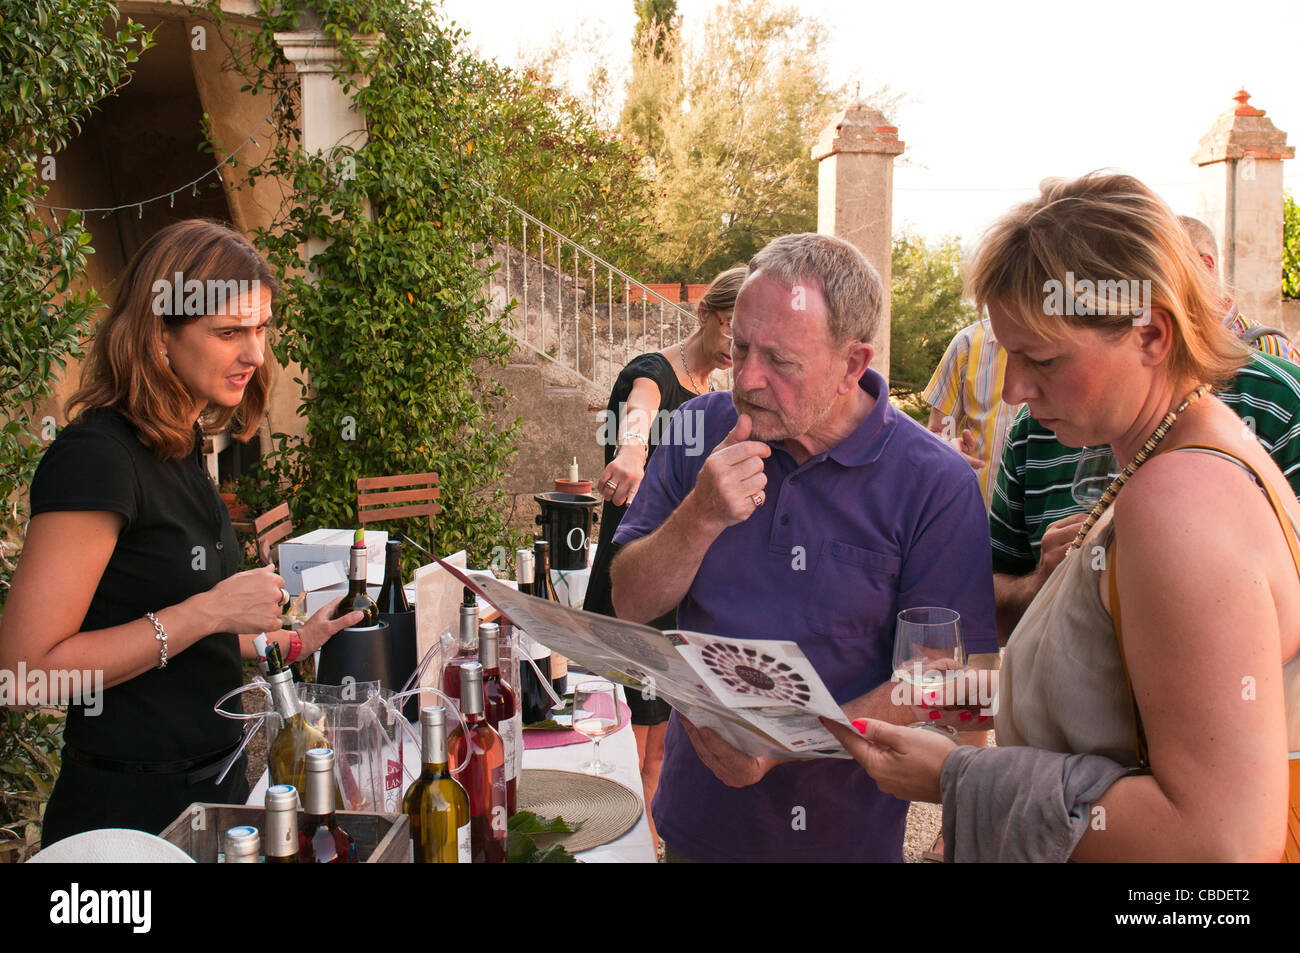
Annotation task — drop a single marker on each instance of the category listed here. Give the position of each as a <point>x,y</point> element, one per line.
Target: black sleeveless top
<point>671,396</point>
<point>177,542</point>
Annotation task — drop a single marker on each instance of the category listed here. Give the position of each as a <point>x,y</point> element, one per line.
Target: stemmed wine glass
<point>928,650</point>
<point>1097,468</point>
<point>596,714</point>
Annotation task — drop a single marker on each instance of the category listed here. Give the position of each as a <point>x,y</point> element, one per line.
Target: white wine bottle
<point>287,757</point>
<point>436,803</point>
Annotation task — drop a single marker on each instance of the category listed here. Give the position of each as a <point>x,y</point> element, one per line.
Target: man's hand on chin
<point>731,766</point>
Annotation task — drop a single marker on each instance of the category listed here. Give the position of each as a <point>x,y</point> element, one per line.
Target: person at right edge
<point>649,389</point>
<point>820,513</point>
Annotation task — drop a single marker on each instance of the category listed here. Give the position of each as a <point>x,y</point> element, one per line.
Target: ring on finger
<point>611,484</point>
<point>284,597</point>
<point>758,498</point>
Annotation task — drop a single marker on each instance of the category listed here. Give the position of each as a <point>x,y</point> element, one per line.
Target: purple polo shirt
<point>888,519</point>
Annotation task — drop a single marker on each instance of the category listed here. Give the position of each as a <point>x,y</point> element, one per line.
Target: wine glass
<point>1097,468</point>
<point>928,650</point>
<point>596,714</point>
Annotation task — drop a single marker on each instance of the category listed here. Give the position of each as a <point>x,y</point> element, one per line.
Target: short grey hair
<point>855,296</point>
<point>1201,236</point>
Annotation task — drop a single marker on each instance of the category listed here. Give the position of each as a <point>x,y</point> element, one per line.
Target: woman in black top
<point>129,572</point>
<point>648,390</point>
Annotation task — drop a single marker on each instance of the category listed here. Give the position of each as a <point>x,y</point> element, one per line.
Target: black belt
<point>195,769</point>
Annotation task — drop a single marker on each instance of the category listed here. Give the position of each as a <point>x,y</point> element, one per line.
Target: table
<point>619,748</point>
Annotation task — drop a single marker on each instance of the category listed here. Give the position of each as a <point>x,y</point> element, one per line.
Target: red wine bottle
<point>499,705</point>
<point>358,598</point>
<point>392,594</point>
<point>320,839</point>
<point>466,645</point>
<point>484,775</point>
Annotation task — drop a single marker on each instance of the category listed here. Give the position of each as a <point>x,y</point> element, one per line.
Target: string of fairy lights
<point>170,195</point>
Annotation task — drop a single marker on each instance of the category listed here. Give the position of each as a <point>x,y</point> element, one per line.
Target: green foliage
<point>555,163</point>
<point>30,742</point>
<point>1290,247</point>
<point>58,64</point>
<point>926,310</point>
<point>394,331</point>
<point>523,849</point>
<point>658,17</point>
<point>728,116</point>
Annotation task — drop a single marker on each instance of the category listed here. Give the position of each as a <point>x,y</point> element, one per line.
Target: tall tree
<point>926,310</point>
<point>657,18</point>
<point>727,119</point>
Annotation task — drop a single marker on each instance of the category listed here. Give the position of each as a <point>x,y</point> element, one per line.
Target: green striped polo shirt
<point>1033,489</point>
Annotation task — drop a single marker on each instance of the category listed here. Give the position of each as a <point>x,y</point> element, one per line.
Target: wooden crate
<point>380,838</point>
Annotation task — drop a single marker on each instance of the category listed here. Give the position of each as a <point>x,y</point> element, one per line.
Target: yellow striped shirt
<point>967,387</point>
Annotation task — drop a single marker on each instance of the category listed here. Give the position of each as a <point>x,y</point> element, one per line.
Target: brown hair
<point>126,370</point>
<point>855,296</point>
<point>1109,230</point>
<point>721,295</point>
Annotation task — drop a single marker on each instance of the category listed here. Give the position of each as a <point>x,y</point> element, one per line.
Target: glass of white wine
<point>596,714</point>
<point>1097,468</point>
<point>928,651</point>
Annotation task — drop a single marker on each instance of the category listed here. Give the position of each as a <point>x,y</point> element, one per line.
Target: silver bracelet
<point>161,635</point>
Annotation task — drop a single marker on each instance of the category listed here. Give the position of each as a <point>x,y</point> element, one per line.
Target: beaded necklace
<point>1143,455</point>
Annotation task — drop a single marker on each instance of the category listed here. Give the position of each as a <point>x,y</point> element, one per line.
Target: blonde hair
<point>1106,231</point>
<point>126,370</point>
<point>722,291</point>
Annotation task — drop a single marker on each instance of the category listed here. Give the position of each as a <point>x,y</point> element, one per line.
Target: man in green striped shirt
<point>1034,516</point>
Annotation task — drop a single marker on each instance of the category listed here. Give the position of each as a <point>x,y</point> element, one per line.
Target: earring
<point>166,359</point>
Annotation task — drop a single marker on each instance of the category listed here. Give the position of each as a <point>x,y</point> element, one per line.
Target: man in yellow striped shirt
<point>965,396</point>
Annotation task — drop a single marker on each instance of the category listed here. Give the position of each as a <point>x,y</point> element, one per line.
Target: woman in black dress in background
<point>648,390</point>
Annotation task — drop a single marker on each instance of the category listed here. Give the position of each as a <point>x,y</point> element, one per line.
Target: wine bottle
<point>241,845</point>
<point>392,594</point>
<point>499,705</point>
<point>534,701</point>
<point>484,776</point>
<point>544,588</point>
<point>508,662</point>
<point>436,803</point>
<point>281,824</point>
<point>320,839</point>
<point>358,598</point>
<point>466,645</point>
<point>524,569</point>
<point>287,757</point>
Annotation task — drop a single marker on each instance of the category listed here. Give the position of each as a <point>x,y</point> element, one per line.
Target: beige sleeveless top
<point>1062,686</point>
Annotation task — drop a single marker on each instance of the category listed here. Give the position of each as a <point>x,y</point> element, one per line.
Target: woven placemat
<point>606,809</point>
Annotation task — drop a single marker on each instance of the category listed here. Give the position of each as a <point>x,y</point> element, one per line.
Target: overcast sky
<point>1003,93</point>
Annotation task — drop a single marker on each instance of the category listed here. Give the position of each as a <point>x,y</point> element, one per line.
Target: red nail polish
<point>935,714</point>
<point>983,718</point>
<point>965,716</point>
<point>860,725</point>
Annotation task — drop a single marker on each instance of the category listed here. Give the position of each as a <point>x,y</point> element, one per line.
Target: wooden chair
<point>397,497</point>
<point>271,527</point>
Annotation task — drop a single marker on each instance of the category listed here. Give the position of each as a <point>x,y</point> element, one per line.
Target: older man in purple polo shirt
<point>821,513</point>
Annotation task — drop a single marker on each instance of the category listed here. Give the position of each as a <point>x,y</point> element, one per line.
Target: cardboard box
<point>329,546</point>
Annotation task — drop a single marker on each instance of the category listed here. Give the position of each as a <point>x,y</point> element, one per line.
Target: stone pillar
<point>1240,198</point>
<point>856,153</point>
<point>328,118</point>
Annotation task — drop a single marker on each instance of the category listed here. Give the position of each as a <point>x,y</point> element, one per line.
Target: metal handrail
<point>599,366</point>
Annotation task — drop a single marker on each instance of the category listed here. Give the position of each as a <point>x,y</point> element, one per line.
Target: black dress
<point>157,744</point>
<point>671,396</point>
